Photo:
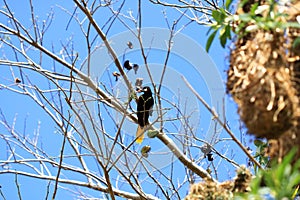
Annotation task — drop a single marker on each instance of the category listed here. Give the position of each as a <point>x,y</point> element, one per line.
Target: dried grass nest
<point>208,189</point>
<point>262,79</point>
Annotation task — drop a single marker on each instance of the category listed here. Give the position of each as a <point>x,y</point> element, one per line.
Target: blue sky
<point>31,119</point>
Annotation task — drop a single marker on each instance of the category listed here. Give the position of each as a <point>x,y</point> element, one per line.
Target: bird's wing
<point>151,110</point>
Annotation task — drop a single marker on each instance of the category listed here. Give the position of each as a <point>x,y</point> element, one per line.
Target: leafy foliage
<point>260,17</point>
<point>279,182</point>
<point>221,25</point>
<point>260,153</point>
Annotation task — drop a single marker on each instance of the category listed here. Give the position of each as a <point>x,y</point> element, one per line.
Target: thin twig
<point>215,115</point>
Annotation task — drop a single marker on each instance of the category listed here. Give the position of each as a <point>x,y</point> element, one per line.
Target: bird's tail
<point>140,134</point>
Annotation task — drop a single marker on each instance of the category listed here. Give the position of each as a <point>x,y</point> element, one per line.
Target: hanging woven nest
<point>280,147</point>
<point>208,189</point>
<point>261,81</point>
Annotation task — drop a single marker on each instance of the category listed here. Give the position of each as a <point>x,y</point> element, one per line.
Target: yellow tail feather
<point>140,134</point>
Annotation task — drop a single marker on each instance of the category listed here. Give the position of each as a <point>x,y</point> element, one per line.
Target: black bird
<point>127,65</point>
<point>144,106</point>
<point>135,68</point>
<point>116,75</point>
<point>210,157</point>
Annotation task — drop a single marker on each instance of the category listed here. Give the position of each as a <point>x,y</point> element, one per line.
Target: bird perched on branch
<point>144,106</point>
<point>128,65</point>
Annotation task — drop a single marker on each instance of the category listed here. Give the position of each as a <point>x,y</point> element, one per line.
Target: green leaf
<point>227,4</point>
<point>283,168</point>
<point>152,133</point>
<point>251,28</point>
<point>258,143</point>
<point>222,31</point>
<point>294,179</point>
<point>228,32</point>
<point>253,8</point>
<point>224,35</point>
<point>210,40</point>
<point>145,150</point>
<point>218,15</point>
<point>293,24</point>
<point>223,40</point>
<point>295,192</point>
<point>245,17</point>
